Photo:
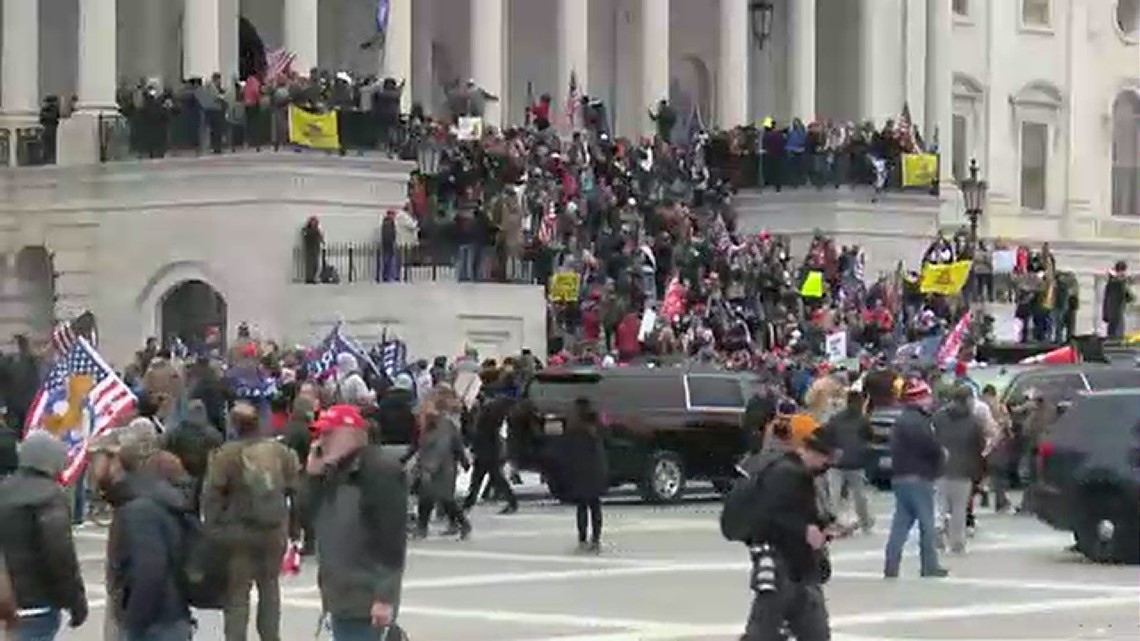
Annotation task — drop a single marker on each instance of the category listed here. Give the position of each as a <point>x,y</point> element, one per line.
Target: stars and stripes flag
<point>905,130</point>
<point>278,64</point>
<point>65,334</point>
<point>948,352</point>
<point>105,399</point>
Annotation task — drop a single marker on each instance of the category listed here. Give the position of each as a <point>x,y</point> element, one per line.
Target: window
<point>636,395</point>
<point>1054,387</point>
<point>1126,154</point>
<point>1114,378</point>
<point>716,391</point>
<point>1036,13</point>
<point>962,7</point>
<point>1034,165</point>
<point>1128,17</point>
<point>959,151</point>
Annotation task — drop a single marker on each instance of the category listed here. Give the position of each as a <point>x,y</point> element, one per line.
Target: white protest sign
<point>836,346</point>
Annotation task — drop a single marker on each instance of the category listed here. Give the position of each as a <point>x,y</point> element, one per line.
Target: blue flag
<point>383,9</point>
<point>335,344</point>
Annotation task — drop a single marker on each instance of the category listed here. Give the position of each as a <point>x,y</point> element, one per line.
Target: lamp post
<point>974,195</point>
<point>760,12</point>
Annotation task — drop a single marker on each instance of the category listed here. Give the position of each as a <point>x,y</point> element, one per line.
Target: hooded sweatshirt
<point>960,433</point>
<point>348,385</point>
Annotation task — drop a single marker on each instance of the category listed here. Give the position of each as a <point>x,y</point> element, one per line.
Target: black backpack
<point>743,513</point>
<point>201,564</point>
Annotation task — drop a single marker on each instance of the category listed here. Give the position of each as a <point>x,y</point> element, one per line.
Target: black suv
<point>1088,466</point>
<point>661,426</point>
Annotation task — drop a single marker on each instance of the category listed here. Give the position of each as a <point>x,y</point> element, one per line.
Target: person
<point>788,549</point>
<point>440,451</point>
<point>192,442</point>
<point>1117,296</point>
<point>147,536</point>
<point>35,536</point>
<point>121,459</point>
<point>359,500</point>
<point>299,438</point>
<point>916,461</point>
<point>1040,412</point>
<point>583,471</point>
<point>347,384</point>
<point>487,447</point>
<point>247,497</point>
<point>962,437</point>
<point>850,430</point>
<point>998,449</point>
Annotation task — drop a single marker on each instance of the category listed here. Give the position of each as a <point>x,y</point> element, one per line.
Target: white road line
<point>1016,584</point>
<point>918,615</point>
<point>486,555</point>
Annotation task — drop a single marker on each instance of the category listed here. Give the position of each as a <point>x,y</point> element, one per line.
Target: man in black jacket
<point>360,501</point>
<point>789,556</point>
<point>850,430</point>
<point>961,435</point>
<point>916,461</point>
<point>35,536</point>
<point>487,446</point>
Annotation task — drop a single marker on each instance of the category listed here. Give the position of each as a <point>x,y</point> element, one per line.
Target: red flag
<point>1060,356</point>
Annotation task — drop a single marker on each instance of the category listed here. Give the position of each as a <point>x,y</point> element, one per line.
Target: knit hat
<point>916,391</point>
<point>133,443</point>
<point>404,382</point>
<point>43,453</point>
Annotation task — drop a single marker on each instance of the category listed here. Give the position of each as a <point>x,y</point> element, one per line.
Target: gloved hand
<point>78,614</point>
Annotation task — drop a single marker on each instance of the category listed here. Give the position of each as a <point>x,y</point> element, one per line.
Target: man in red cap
<point>359,500</point>
<point>916,462</point>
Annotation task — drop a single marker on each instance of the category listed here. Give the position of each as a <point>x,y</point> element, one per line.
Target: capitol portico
<point>1045,94</point>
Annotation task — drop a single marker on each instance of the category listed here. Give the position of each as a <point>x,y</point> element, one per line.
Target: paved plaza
<point>666,574</point>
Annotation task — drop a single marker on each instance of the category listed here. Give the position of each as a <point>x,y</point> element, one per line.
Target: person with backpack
<point>192,441</point>
<point>775,511</point>
<point>35,537</point>
<point>249,498</point>
<point>359,498</point>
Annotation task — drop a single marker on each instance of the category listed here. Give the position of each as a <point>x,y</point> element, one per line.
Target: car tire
<point>1124,544</point>
<point>664,479</point>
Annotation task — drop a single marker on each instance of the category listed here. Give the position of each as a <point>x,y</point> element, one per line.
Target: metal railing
<point>32,146</point>
<point>364,262</point>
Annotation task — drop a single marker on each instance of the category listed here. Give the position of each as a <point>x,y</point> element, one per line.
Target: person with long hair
<point>438,455</point>
<point>584,471</point>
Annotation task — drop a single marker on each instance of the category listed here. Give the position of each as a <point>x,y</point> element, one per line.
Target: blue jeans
<point>914,501</point>
<point>171,631</point>
<point>41,627</point>
<point>362,630</point>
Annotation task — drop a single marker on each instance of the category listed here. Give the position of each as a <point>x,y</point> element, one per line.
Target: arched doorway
<point>690,92</point>
<point>192,310</point>
<point>35,290</point>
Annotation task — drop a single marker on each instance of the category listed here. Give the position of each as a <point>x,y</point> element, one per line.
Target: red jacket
<point>626,336</point>
<point>591,324</point>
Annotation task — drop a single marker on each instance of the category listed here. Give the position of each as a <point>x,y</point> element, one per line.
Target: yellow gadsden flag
<point>309,129</point>
<point>919,170</point>
<point>946,280</point>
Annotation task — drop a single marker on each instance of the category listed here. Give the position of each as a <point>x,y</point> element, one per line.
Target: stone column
<point>229,63</point>
<point>78,137</point>
<point>21,59</point>
<point>573,49</point>
<point>201,39</point>
<point>733,76</point>
<point>423,75</point>
<point>488,23</point>
<point>655,68</point>
<point>801,59</point>
<point>939,82</point>
<point>301,33</point>
<point>396,55</point>
<point>153,41</point>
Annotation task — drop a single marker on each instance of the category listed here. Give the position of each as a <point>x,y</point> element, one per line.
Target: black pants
<point>801,606</point>
<point>498,482</point>
<point>594,507</point>
<point>450,508</point>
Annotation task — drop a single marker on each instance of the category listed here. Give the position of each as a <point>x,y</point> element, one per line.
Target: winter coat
<point>35,536</point>
<point>193,442</point>
<point>1116,296</point>
<point>487,443</point>
<point>914,449</point>
<point>360,510</point>
<point>440,451</point>
<point>851,431</point>
<point>581,465</point>
<point>141,560</point>
<point>397,422</point>
<point>960,433</point>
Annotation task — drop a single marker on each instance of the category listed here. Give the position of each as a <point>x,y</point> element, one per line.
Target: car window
<point>1105,418</point>
<point>1055,387</point>
<point>1112,378</point>
<point>632,394</point>
<point>716,391</point>
<point>560,394</point>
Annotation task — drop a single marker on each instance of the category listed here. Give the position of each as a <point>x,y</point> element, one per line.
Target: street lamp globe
<point>974,190</point>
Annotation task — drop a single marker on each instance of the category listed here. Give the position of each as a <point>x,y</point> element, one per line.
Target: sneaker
<point>582,548</point>
<point>464,531</point>
<point>511,508</point>
<point>936,573</point>
<point>594,547</point>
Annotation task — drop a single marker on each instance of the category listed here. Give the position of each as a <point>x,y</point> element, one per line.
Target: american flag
<point>105,399</point>
<point>573,101</point>
<point>948,352</point>
<point>323,359</point>
<point>548,228</point>
<point>278,63</point>
<point>65,334</point>
<point>905,130</point>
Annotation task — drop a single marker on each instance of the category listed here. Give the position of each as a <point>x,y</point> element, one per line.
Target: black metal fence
<point>364,262</point>
<point>158,133</point>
